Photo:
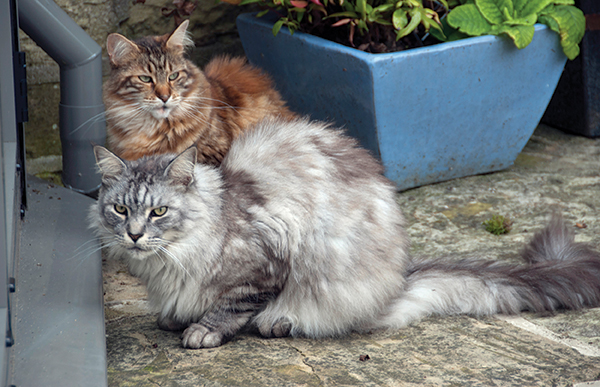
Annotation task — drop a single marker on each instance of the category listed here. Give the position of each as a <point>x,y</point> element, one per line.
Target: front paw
<point>281,328</point>
<point>198,336</point>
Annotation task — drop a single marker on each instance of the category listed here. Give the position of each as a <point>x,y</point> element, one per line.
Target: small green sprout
<point>498,225</point>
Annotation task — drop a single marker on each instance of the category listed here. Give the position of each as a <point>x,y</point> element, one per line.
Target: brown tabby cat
<point>157,101</point>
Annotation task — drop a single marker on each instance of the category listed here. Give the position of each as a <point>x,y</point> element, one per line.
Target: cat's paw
<point>198,336</point>
<point>281,328</point>
<point>167,324</point>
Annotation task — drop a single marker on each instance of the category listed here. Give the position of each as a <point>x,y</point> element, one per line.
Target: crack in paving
<point>304,361</point>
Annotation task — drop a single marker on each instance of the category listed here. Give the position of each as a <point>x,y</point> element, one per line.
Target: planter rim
<point>267,22</point>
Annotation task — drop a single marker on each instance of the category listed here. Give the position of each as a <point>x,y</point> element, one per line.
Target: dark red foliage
<point>183,9</point>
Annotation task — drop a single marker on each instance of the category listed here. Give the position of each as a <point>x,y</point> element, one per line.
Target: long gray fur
<point>299,233</point>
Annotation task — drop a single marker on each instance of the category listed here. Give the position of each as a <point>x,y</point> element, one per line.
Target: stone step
<point>58,313</point>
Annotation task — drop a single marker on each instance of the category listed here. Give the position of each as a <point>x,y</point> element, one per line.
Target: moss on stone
<point>498,225</point>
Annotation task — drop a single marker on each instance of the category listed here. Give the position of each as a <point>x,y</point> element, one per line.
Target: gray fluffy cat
<point>297,232</point>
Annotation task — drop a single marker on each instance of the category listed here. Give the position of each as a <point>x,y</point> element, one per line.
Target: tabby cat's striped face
<point>151,78</point>
<point>142,220</point>
<point>157,83</point>
<point>142,206</point>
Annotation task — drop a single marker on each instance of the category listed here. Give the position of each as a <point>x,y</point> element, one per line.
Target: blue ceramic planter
<point>431,114</point>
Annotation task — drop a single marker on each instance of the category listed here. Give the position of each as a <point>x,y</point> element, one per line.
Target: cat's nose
<point>134,237</point>
<point>162,92</point>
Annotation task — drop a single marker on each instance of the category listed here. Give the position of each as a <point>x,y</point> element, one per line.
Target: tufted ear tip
<point>109,164</point>
<point>181,170</point>
<point>180,38</point>
<point>118,47</point>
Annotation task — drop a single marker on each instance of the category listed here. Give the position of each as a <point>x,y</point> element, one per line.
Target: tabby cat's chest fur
<point>157,101</point>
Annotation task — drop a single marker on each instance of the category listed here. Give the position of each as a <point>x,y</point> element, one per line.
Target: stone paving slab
<point>436,352</point>
<point>555,172</point>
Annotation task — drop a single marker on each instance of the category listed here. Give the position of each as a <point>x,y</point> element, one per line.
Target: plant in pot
<point>413,80</point>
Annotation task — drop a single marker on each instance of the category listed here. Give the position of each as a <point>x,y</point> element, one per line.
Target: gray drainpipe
<point>81,110</point>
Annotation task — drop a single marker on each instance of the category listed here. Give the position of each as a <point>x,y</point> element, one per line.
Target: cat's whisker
<point>226,105</point>
<point>85,245</point>
<point>85,253</point>
<point>92,120</point>
<point>189,113</point>
<point>88,251</point>
<point>156,252</point>
<point>126,112</point>
<point>130,119</point>
<point>200,120</point>
<point>174,258</point>
<point>107,231</point>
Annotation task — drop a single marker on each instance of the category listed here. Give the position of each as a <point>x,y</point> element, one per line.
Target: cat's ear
<point>181,170</point>
<point>109,164</point>
<point>119,47</point>
<point>180,39</point>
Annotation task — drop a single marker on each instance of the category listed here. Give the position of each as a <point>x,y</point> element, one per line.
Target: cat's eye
<point>173,76</point>
<point>160,211</point>
<point>121,209</point>
<point>145,78</point>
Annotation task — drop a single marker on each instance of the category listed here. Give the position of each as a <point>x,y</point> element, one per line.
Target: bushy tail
<point>559,274</point>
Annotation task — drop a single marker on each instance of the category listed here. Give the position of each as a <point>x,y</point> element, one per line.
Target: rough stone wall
<point>97,17</point>
<point>212,25</point>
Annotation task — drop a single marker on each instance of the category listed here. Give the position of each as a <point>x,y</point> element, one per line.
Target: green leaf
<point>348,6</point>
<point>571,25</point>
<point>414,3</point>
<point>493,10</point>
<point>362,26</point>
<point>534,7</point>
<point>521,35</point>
<point>414,23</point>
<point>428,19</point>
<point>277,26</point>
<point>349,14</point>
<point>383,8</point>
<point>383,22</point>
<point>262,13</point>
<point>573,20</point>
<point>439,35</point>
<point>445,33</point>
<point>529,20</point>
<point>244,2</point>
<point>469,20</point>
<point>550,23</point>
<point>399,18</point>
<point>436,26</point>
<point>506,14</point>
<point>457,35</point>
<point>361,7</point>
<point>518,6</point>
